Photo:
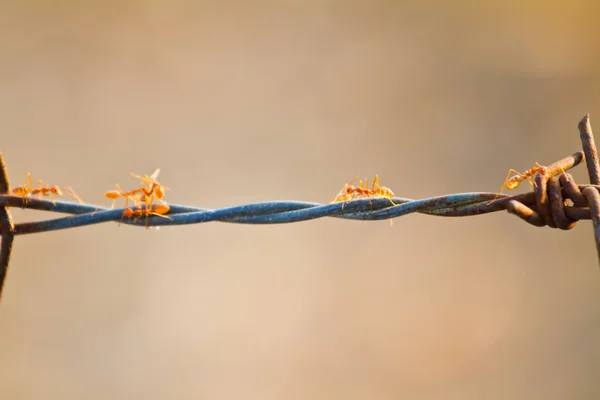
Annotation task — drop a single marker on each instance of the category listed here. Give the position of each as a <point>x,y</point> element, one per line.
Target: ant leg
<point>370,192</point>
<point>26,191</point>
<point>24,203</point>
<point>127,200</point>
<point>510,171</point>
<point>365,189</point>
<point>505,185</point>
<point>121,193</point>
<point>158,215</point>
<point>514,170</point>
<point>376,183</point>
<point>498,195</point>
<point>51,198</point>
<point>72,193</point>
<point>347,200</point>
<point>149,201</point>
<point>562,171</point>
<point>565,173</point>
<point>352,181</point>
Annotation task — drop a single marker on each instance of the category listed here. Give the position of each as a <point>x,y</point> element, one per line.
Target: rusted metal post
<point>6,227</point>
<point>589,148</point>
<point>591,159</point>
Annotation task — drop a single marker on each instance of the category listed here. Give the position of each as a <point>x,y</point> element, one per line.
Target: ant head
<point>56,190</point>
<point>543,170</point>
<point>128,213</point>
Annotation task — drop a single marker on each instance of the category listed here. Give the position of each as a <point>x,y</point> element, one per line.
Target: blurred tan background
<point>244,102</point>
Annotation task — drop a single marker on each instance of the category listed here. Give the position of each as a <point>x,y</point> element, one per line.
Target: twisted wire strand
<point>273,212</point>
<point>278,212</point>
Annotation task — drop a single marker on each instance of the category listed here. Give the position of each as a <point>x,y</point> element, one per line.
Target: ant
<point>118,192</point>
<point>349,192</point>
<point>513,182</point>
<point>159,210</point>
<point>382,191</point>
<point>27,190</point>
<point>151,188</point>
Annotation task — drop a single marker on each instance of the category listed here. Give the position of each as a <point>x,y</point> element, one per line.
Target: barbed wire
<point>273,212</point>
<point>556,201</point>
<point>278,212</point>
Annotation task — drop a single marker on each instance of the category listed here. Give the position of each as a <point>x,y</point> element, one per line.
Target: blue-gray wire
<point>273,212</point>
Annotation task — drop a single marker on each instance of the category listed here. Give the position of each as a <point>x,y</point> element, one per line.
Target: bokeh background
<point>249,101</point>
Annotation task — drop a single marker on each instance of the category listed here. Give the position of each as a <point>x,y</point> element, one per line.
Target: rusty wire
<point>556,201</point>
<point>591,155</point>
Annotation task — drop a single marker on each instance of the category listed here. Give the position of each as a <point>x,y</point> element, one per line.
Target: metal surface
<point>594,199</point>
<point>591,155</point>
<point>6,227</point>
<point>589,148</point>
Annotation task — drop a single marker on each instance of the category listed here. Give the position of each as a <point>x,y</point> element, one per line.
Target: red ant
<point>152,188</point>
<point>149,210</point>
<point>27,191</point>
<point>513,182</point>
<point>349,192</point>
<point>118,192</point>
